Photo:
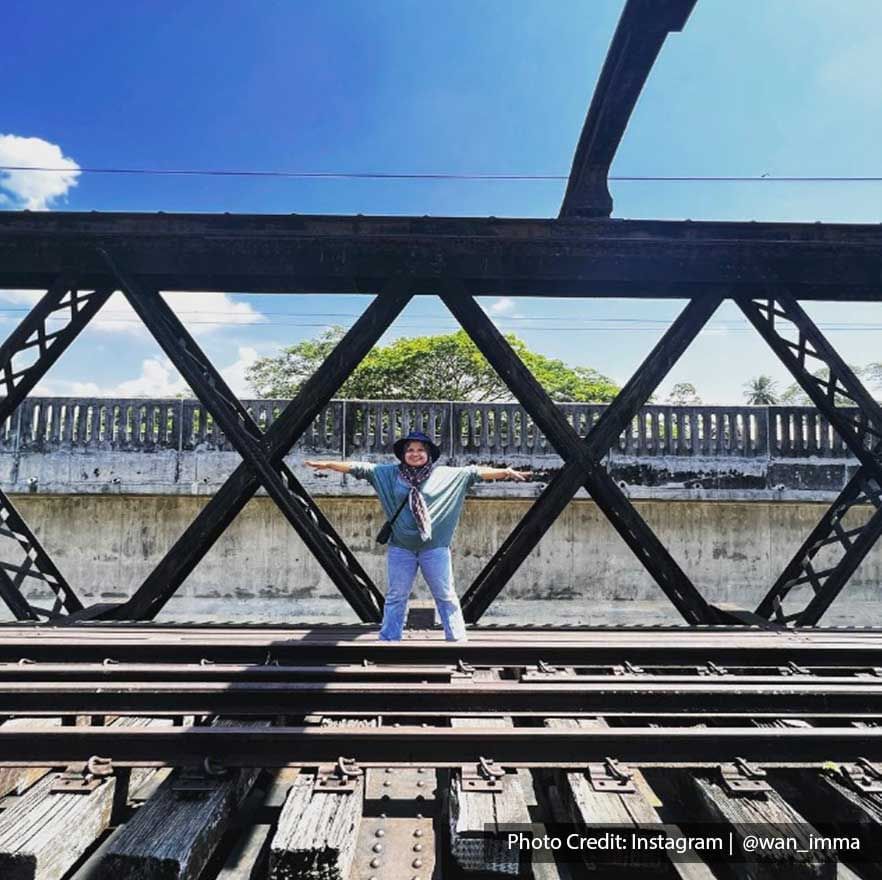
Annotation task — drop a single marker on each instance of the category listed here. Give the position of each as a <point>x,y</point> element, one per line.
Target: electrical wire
<point>441,319</point>
<point>442,175</point>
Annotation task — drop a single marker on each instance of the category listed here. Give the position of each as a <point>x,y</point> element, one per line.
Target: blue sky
<point>789,87</point>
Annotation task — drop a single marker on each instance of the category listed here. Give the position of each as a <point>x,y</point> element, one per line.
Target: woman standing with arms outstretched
<point>423,502</point>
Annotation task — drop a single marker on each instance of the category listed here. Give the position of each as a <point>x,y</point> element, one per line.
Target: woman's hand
<point>520,476</point>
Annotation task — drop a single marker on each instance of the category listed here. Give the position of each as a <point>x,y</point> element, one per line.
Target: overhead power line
<point>441,175</point>
<point>606,325</point>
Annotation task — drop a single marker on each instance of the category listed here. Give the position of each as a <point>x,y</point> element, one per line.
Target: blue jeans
<point>436,569</point>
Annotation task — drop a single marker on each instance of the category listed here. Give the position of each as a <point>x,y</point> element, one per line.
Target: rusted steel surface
<point>641,31</point>
<point>507,646</point>
<point>521,747</point>
<point>519,257</point>
<point>271,698</point>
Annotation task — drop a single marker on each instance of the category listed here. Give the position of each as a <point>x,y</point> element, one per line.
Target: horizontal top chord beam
<point>517,257</point>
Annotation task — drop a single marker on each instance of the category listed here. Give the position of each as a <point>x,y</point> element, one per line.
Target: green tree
<point>443,367</point>
<point>684,394</point>
<point>793,395</point>
<point>761,391</point>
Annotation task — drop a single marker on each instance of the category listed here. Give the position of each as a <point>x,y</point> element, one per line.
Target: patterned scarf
<point>414,477</point>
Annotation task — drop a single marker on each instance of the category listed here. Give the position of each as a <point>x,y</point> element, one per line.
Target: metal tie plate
<point>83,778</point>
<point>402,784</point>
<point>486,775</point>
<point>742,777</point>
<point>610,776</point>
<point>864,776</point>
<point>340,777</point>
<point>392,848</point>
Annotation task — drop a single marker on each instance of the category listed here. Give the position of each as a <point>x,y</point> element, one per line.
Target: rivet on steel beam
<point>377,847</point>
<point>417,863</point>
<point>375,863</point>
<point>379,833</point>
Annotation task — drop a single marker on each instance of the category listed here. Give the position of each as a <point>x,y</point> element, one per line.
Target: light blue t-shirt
<point>444,491</point>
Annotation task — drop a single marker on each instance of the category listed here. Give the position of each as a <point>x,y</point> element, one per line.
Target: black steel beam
<point>20,371</point>
<point>641,31</point>
<point>316,254</point>
<point>162,583</point>
<point>854,543</point>
<point>243,432</point>
<point>726,646</point>
<point>26,356</point>
<point>703,694</point>
<point>229,672</point>
<point>777,318</point>
<point>520,747</point>
<point>582,459</point>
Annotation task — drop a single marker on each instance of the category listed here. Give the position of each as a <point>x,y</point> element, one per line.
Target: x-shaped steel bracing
<point>262,454</point>
<point>33,348</point>
<point>775,317</point>
<point>26,355</point>
<point>582,458</point>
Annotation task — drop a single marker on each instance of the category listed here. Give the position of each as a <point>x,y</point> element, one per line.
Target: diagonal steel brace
<point>863,436</point>
<point>582,458</point>
<point>246,437</point>
<point>284,432</point>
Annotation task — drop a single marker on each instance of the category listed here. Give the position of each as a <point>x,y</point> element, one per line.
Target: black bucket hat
<point>398,448</point>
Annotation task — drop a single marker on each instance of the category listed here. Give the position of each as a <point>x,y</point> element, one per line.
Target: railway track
<point>266,752</point>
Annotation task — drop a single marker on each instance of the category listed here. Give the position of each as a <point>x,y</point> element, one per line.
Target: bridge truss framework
<point>767,269</point>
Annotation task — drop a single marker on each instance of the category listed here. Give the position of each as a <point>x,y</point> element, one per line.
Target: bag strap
<point>400,508</point>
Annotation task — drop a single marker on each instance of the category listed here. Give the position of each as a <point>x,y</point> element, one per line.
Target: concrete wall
<point>108,485</point>
<point>107,544</point>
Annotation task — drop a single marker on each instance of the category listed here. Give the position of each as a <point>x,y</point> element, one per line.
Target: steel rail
<point>732,650</point>
<point>184,672</point>
<point>327,632</point>
<point>522,747</point>
<point>274,698</point>
<point>119,674</point>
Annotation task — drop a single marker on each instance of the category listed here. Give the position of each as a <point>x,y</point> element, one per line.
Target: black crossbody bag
<point>386,532</point>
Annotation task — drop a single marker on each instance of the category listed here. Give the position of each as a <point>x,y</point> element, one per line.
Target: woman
<point>424,502</point>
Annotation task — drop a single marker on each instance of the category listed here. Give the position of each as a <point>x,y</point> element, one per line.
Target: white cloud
<point>502,306</point>
<point>36,191</point>
<point>234,374</point>
<point>201,313</point>
<point>158,378</point>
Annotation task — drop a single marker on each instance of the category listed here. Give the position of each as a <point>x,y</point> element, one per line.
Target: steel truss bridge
<point>763,684</point>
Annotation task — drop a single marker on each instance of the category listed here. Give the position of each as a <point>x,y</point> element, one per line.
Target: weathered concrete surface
<point>107,544</point>
<point>202,472</point>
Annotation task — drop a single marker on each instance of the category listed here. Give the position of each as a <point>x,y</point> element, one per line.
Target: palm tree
<point>761,391</point>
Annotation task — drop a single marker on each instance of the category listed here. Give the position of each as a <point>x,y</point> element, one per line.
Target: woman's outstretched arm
<point>503,474</point>
<point>341,467</point>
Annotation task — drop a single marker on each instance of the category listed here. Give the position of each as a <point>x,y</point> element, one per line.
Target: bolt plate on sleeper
<point>392,848</point>
<point>401,784</point>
